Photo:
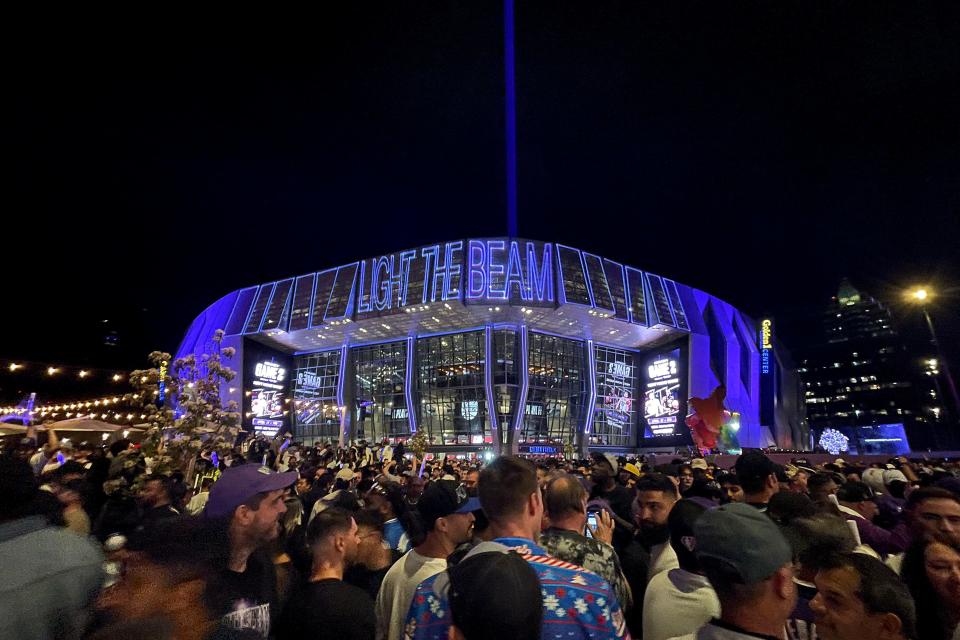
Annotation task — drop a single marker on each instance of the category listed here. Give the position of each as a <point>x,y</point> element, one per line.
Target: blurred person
<point>685,475</point>
<point>786,506</point>
<point>471,482</point>
<point>326,604</point>
<point>70,496</point>
<point>812,539</point>
<point>930,512</point>
<point>49,576</point>
<point>633,474</point>
<point>577,604</point>
<point>169,572</point>
<point>413,488</point>
<point>199,501</point>
<point>858,505</point>
<point>750,566</point>
<point>387,498</point>
<point>494,596</point>
<point>730,487</point>
<point>603,473</point>
<point>374,556</point>
<point>798,484</point>
<point>821,485</point>
<point>445,511</point>
<point>565,503</point>
<point>758,477</point>
<point>680,601</point>
<point>931,570</point>
<point>859,598</point>
<point>250,499</point>
<point>156,501</point>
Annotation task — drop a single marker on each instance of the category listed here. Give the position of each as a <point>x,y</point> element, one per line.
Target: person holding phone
<point>580,537</point>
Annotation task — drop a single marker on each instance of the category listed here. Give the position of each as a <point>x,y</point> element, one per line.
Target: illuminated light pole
<point>922,296</point>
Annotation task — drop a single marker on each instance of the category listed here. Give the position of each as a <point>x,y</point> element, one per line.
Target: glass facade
<point>315,380</point>
<point>449,393</point>
<point>450,388</point>
<point>557,391</point>
<point>615,417</point>
<point>379,391</point>
<point>506,377</point>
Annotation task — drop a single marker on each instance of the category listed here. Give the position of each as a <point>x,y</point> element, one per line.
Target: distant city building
<point>863,381</point>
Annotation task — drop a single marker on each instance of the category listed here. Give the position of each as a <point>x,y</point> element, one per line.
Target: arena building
<point>494,345</point>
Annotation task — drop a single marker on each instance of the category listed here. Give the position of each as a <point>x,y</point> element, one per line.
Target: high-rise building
<point>863,381</point>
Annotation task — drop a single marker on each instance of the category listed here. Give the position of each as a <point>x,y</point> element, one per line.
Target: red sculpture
<point>708,418</point>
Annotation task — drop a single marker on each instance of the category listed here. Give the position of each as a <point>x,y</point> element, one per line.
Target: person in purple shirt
<point>577,604</point>
<point>857,504</point>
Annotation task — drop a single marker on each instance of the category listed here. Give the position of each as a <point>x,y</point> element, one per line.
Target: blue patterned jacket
<point>577,604</point>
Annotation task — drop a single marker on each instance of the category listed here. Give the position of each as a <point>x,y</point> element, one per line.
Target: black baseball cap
<point>753,464</point>
<point>855,492</point>
<point>444,498</point>
<point>496,596</point>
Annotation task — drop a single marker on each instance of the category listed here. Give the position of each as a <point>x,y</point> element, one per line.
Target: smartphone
<point>215,460</point>
<point>591,522</point>
<point>60,458</point>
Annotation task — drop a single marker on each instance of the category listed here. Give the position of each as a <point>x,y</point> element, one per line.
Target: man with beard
<point>650,552</point>
<point>326,603</point>
<point>250,499</point>
<point>603,473</point>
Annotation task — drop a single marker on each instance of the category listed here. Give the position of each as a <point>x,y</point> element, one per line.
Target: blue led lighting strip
<point>592,399</point>
<point>408,383</point>
<point>524,380</point>
<point>490,359</point>
<point>340,399</point>
<point>509,64</point>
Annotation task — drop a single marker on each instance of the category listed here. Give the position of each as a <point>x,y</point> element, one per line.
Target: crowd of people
<point>279,540</point>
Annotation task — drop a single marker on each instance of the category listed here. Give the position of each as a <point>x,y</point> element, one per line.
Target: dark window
<point>302,294</point>
<point>322,296</point>
<point>259,307</point>
<point>380,392</point>
<point>615,415</point>
<point>506,377</point>
<point>342,292</point>
<point>452,397</point>
<point>238,319</point>
<point>661,304</point>
<point>315,380</point>
<point>638,299</point>
<point>278,306</point>
<point>574,282</point>
<point>557,393</point>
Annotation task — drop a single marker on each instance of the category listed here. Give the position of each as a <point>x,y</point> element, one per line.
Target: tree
<point>200,424</point>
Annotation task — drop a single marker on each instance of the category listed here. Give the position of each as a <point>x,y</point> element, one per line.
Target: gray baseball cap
<point>743,538</point>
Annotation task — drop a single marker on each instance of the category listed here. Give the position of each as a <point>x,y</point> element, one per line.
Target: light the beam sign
<point>474,271</point>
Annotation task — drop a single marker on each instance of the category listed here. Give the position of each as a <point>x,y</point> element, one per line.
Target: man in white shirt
<point>448,520</point>
<point>681,600</point>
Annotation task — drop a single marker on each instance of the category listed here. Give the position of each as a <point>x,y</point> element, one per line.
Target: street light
<point>921,296</point>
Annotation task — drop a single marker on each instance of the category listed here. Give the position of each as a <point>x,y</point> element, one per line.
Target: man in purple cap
<point>250,498</point>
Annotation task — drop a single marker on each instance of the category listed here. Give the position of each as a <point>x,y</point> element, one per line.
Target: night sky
<point>758,151</point>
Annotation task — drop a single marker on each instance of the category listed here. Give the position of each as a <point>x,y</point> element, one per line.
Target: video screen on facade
<point>664,385</point>
<point>266,383</point>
